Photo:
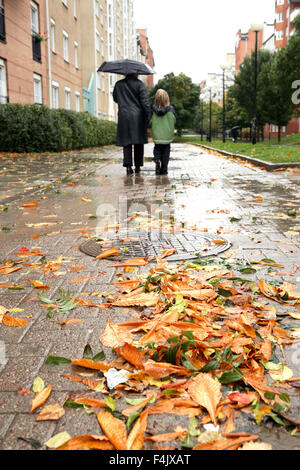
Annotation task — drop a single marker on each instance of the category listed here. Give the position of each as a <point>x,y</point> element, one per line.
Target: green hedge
<point>33,128</point>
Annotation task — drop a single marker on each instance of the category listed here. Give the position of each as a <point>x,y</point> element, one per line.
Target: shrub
<point>33,128</point>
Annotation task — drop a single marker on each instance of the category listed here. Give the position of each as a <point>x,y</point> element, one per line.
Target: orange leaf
<point>10,270</point>
<point>90,364</point>
<point>137,300</point>
<point>92,384</point>
<point>12,321</point>
<point>51,413</point>
<point>114,429</point>
<point>136,262</point>
<point>38,284</point>
<point>131,354</point>
<point>30,204</point>
<point>159,370</point>
<point>108,253</point>
<point>167,253</point>
<point>84,279</point>
<point>167,437</point>
<point>91,402</point>
<point>88,441</point>
<point>136,437</point>
<point>243,398</point>
<point>40,398</point>
<point>114,336</point>
<point>266,350</point>
<point>70,321</point>
<point>207,392</point>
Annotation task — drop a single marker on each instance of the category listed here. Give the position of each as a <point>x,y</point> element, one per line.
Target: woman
<point>134,115</point>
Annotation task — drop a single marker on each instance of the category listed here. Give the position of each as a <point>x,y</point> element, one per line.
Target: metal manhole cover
<point>189,245</point>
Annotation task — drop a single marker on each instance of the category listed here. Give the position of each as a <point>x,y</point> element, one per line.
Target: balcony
<point>36,48</point>
<point>2,24</point>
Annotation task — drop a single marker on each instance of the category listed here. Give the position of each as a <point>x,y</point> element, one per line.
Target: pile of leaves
<point>205,347</point>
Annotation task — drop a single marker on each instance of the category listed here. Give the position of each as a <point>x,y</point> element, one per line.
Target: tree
<point>276,100</point>
<point>204,118</point>
<point>184,96</point>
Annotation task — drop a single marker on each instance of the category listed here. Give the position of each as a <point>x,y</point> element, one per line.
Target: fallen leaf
<point>135,440</point>
<point>14,322</point>
<point>108,253</point>
<point>40,398</point>
<point>51,413</point>
<point>114,429</point>
<point>131,354</point>
<point>30,204</point>
<point>91,442</point>
<point>207,392</point>
<point>58,440</point>
<point>114,336</point>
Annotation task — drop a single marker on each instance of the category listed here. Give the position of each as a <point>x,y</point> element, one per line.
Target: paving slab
<point>88,194</point>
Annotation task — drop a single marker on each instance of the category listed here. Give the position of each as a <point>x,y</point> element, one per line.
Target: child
<point>163,128</point>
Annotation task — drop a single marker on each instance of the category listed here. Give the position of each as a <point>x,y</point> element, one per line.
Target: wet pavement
<point>85,194</point>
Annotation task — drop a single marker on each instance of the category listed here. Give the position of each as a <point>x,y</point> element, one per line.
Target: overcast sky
<point>193,36</point>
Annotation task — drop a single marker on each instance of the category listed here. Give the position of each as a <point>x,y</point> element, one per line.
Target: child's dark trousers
<point>162,157</point>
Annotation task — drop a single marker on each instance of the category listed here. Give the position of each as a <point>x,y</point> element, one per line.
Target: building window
<point>66,46</point>
<point>280,17</point>
<point>101,15</point>
<point>76,54</point>
<point>97,8</point>
<point>75,8</point>
<point>103,82</point>
<point>279,35</point>
<point>65,3</point>
<point>97,41</point>
<point>34,17</point>
<point>77,101</point>
<point>52,34</point>
<point>2,22</point>
<point>98,78</point>
<point>102,47</point>
<point>67,98</point>
<point>3,83</point>
<point>37,87</point>
<point>55,95</point>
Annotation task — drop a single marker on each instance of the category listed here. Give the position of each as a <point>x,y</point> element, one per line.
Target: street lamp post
<point>210,115</point>
<point>256,27</point>
<point>223,67</point>
<point>202,115</point>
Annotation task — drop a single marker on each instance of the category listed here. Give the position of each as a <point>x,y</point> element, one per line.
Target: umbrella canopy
<point>126,67</point>
<point>236,128</point>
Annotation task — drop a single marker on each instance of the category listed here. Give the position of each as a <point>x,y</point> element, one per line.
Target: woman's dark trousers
<point>162,156</point>
<point>138,156</point>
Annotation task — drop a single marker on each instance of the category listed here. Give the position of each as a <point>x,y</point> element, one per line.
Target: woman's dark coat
<point>134,111</point>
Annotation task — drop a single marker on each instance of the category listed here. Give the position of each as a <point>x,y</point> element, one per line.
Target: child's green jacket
<point>163,124</point>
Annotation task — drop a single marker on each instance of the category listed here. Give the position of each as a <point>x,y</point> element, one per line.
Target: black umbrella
<point>236,128</point>
<point>126,67</point>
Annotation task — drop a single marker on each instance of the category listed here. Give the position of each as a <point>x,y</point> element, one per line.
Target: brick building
<point>50,51</point>
<point>23,52</point>
<point>146,54</point>
<point>64,54</point>
<point>285,13</point>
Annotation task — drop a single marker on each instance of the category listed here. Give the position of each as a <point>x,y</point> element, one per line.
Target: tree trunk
<point>279,134</point>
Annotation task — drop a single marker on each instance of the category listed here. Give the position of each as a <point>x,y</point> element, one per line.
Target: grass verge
<point>272,152</point>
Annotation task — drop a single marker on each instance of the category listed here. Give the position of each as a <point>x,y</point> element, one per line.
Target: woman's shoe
<point>129,170</point>
<point>158,169</point>
<point>137,170</point>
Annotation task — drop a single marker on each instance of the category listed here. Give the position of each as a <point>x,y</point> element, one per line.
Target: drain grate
<point>189,245</point>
